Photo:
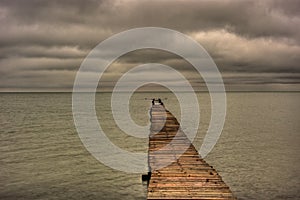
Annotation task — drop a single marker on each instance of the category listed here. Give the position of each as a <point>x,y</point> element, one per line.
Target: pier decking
<point>184,174</point>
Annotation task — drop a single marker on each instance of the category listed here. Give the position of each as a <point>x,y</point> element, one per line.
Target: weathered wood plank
<point>184,174</point>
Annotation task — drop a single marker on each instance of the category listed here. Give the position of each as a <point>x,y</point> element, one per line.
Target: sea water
<point>42,156</point>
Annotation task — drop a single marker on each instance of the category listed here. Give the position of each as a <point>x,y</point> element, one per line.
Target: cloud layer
<point>42,43</point>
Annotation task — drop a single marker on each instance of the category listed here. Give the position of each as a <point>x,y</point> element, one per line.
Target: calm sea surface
<point>42,157</point>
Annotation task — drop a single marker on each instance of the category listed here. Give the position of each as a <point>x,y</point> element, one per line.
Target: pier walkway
<point>184,174</point>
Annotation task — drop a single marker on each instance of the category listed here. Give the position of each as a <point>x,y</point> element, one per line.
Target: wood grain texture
<point>184,175</point>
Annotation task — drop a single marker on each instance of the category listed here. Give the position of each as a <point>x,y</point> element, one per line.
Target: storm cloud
<point>255,44</point>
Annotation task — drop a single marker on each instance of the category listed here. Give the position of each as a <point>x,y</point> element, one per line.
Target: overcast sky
<point>255,44</point>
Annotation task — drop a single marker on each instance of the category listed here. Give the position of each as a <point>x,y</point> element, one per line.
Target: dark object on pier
<point>160,102</point>
<point>157,102</point>
<point>146,177</point>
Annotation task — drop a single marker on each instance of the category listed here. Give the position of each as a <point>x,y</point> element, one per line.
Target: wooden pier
<point>177,171</point>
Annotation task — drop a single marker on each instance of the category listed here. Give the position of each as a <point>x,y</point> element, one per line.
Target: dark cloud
<point>45,38</point>
<point>287,7</point>
<point>53,12</point>
<point>71,19</point>
<point>64,52</point>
